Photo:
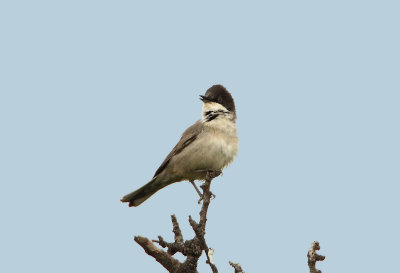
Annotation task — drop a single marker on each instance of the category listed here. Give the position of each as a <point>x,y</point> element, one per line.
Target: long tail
<point>142,194</point>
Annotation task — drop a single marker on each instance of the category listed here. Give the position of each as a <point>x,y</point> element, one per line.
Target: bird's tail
<point>142,194</point>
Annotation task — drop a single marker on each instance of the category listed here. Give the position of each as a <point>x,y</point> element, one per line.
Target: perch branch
<point>191,249</point>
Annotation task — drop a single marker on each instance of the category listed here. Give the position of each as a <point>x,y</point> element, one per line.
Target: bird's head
<point>217,96</point>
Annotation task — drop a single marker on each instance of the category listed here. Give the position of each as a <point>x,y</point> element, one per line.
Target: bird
<point>209,144</point>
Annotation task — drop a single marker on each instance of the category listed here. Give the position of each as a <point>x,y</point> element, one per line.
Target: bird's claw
<point>202,197</point>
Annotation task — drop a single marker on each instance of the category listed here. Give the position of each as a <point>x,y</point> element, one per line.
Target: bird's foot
<point>202,197</point>
<point>210,175</point>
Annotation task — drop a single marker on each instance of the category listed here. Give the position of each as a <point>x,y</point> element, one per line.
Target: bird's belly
<point>217,154</point>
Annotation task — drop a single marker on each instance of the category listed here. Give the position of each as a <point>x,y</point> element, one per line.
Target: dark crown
<point>217,93</point>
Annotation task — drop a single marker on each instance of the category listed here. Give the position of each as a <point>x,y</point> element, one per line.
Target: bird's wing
<point>188,137</point>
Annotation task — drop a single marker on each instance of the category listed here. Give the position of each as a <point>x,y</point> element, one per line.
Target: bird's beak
<point>204,98</point>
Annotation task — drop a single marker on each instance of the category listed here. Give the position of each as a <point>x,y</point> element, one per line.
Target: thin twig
<point>237,267</point>
<point>313,257</point>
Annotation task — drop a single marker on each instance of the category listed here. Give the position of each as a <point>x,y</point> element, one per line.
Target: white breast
<point>221,138</point>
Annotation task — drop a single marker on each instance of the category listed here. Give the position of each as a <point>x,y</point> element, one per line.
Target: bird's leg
<point>196,188</point>
<point>199,193</point>
<point>210,175</point>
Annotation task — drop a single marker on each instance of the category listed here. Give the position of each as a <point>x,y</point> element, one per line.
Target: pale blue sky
<point>94,94</point>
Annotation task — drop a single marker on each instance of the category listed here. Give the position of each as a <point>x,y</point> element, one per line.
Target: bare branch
<point>193,248</point>
<point>237,267</point>
<point>313,257</point>
<point>176,230</point>
<point>177,246</point>
<point>166,260</point>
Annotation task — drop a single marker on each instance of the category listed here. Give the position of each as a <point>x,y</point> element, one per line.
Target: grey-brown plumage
<point>209,144</point>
